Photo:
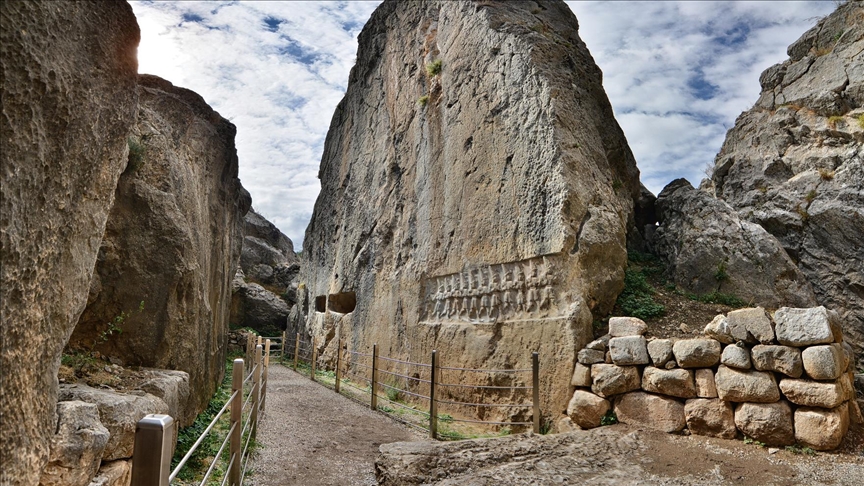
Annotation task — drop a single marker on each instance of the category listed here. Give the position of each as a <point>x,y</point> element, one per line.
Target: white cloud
<point>677,75</point>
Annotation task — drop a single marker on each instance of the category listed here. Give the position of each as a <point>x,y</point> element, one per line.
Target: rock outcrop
<point>171,245</point>
<point>476,191</point>
<point>794,163</point>
<point>69,76</point>
<point>256,307</point>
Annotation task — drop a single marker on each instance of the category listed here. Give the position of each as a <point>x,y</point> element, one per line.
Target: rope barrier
<point>487,387</point>
<point>466,404</point>
<point>405,391</point>
<point>405,362</point>
<point>489,423</point>
<point>405,376</point>
<point>522,370</point>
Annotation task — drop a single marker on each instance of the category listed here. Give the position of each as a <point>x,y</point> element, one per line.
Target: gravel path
<point>309,435</point>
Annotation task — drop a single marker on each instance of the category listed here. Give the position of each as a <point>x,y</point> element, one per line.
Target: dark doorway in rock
<point>343,302</point>
<point>321,303</point>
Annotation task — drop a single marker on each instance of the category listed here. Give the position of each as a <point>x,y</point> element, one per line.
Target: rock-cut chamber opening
<point>343,302</point>
<point>321,303</point>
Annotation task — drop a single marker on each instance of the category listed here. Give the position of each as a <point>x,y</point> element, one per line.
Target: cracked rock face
<point>476,191</point>
<point>794,163</point>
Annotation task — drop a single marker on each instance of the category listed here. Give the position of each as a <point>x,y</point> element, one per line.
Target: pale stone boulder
<point>815,393</point>
<point>824,362</point>
<point>751,325</point>
<point>581,375</point>
<point>711,417</point>
<point>587,409</point>
<point>735,356</point>
<point>172,387</point>
<point>821,429</point>
<point>803,327</point>
<point>652,411</point>
<point>590,356</point>
<point>746,386</point>
<point>697,353</point>
<point>77,446</point>
<point>114,473</point>
<point>770,423</point>
<point>782,359</point>
<point>627,326</point>
<point>705,387</point>
<point>599,344</point>
<point>719,329</point>
<point>675,383</point>
<point>610,379</point>
<point>629,350</point>
<point>660,352</point>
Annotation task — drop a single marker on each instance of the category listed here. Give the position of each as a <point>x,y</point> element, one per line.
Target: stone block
<point>587,409</point>
<point>746,386</point>
<point>660,352</point>
<point>599,344</point>
<point>581,375</point>
<point>850,356</point>
<point>735,356</point>
<point>652,411</point>
<point>626,326</point>
<point>803,327</point>
<point>815,393</point>
<point>751,325</point>
<point>711,417</point>
<point>629,350</point>
<point>705,387</point>
<point>825,362</point>
<point>590,356</point>
<point>821,429</point>
<point>114,473</point>
<point>77,446</point>
<point>675,383</point>
<point>770,423</point>
<point>782,359</point>
<point>719,329</point>
<point>610,379</point>
<point>697,353</point>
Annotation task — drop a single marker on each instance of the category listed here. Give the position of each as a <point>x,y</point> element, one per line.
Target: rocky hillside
<point>794,163</point>
<point>476,190</point>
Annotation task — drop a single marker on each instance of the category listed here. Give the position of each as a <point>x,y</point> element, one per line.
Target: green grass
<point>799,449</point>
<point>749,440</point>
<point>434,68</point>
<point>637,298</point>
<point>423,100</point>
<point>718,298</point>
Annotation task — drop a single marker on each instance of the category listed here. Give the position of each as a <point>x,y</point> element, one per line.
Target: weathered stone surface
<point>770,423</point>
<point>630,350</point>
<point>746,386</point>
<point>254,306</point>
<point>782,359</point>
<point>821,429</point>
<point>710,248</point>
<point>653,411</point>
<point>755,323</point>
<point>591,356</point>
<point>626,326</point>
<point>705,387</point>
<point>719,329</point>
<point>171,244</point>
<point>114,473</point>
<point>675,383</point>
<point>69,75</point>
<point>791,168</point>
<point>711,417</point>
<point>697,353</point>
<point>586,409</point>
<point>599,344</point>
<point>803,327</point>
<point>850,356</point>
<point>660,351</point>
<point>268,256</point>
<point>814,393</point>
<point>824,362</point>
<point>173,388</point>
<point>77,446</point>
<point>581,375</point>
<point>419,201</point>
<point>610,379</point>
<point>736,357</point>
<point>118,412</point>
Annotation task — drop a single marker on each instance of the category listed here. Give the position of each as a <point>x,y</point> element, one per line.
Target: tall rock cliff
<point>794,163</point>
<point>476,191</point>
<point>68,75</point>
<point>172,244</point>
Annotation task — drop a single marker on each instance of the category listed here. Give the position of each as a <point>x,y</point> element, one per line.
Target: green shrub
<point>799,449</point>
<point>609,418</point>
<point>434,68</point>
<point>136,154</point>
<point>423,100</point>
<point>718,298</point>
<point>721,275</point>
<point>636,300</point>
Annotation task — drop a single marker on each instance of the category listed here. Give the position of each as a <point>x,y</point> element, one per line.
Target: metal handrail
<point>217,456</point>
<point>405,362</point>
<point>487,422</point>
<point>359,353</point>
<point>404,391</point>
<point>488,387</point>
<point>200,439</point>
<point>466,404</point>
<point>230,463</point>
<point>521,370</point>
<point>421,412</point>
<point>405,376</point>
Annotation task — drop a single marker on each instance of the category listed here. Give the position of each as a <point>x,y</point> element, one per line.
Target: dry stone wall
<point>779,379</point>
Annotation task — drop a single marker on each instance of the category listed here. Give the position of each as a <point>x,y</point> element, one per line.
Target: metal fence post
<point>256,388</point>
<point>338,363</point>
<point>375,376</point>
<point>312,356</point>
<point>266,369</point>
<point>296,350</point>
<point>433,405</point>
<point>151,458</point>
<point>237,423</point>
<point>535,388</point>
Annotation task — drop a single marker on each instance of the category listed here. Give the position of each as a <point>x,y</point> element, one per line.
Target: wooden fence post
<point>266,369</point>
<point>313,356</point>
<point>237,423</point>
<point>282,347</point>
<point>296,350</point>
<point>535,388</point>
<point>154,439</point>
<point>338,363</point>
<point>375,376</point>
<point>256,388</point>
<point>433,404</point>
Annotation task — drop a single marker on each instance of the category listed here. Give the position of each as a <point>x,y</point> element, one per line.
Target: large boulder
<point>709,248</point>
<point>69,75</point>
<point>770,423</point>
<point>794,163</point>
<point>173,388</point>
<point>171,246</point>
<point>256,307</point>
<point>821,429</point>
<point>77,446</point>
<point>653,411</point>
<point>734,385</point>
<point>711,417</point>
<point>268,256</point>
<point>476,191</point>
<point>587,409</point>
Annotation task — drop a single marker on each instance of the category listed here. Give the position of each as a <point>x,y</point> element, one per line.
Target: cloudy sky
<point>677,74</point>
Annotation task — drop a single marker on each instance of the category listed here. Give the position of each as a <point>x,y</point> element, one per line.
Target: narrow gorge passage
<point>310,435</point>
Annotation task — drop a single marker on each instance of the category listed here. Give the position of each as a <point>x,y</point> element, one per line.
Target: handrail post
<point>375,376</point>
<point>296,350</point>
<point>282,348</point>
<point>433,404</point>
<point>248,357</point>
<point>338,363</point>
<point>154,439</point>
<point>236,422</point>
<point>535,388</point>
<point>266,369</point>
<point>256,388</point>
<point>260,341</point>
<point>312,356</point>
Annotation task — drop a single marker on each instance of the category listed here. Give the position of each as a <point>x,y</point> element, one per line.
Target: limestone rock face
<point>69,74</point>
<point>475,191</point>
<point>268,255</point>
<point>172,243</point>
<point>114,473</point>
<point>77,447</point>
<point>710,248</point>
<point>254,306</point>
<point>794,163</point>
<point>173,388</point>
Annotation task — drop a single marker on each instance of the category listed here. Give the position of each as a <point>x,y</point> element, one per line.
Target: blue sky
<point>677,75</point>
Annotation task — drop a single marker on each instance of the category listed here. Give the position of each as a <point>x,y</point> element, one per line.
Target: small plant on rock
<point>834,120</point>
<point>720,275</point>
<point>750,440</point>
<point>826,174</point>
<point>136,154</point>
<point>423,100</point>
<point>434,68</point>
<point>609,418</point>
<point>799,449</point>
<point>861,121</point>
<point>810,196</point>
